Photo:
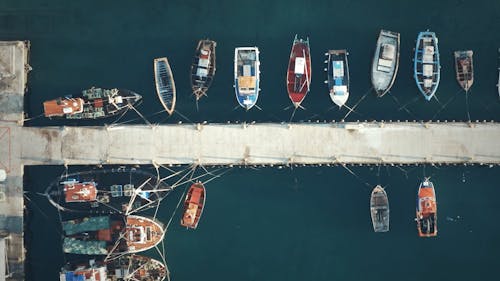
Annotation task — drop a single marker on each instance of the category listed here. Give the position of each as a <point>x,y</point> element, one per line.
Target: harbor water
<point>293,223</point>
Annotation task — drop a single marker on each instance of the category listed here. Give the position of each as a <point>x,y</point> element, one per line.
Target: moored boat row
<point>97,103</point>
<point>426,209</point>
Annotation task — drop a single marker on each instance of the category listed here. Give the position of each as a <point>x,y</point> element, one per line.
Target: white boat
<point>338,76</point>
<point>165,85</point>
<point>385,62</point>
<point>246,76</point>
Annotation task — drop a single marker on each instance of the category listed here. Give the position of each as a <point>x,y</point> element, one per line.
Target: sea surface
<point>299,223</point>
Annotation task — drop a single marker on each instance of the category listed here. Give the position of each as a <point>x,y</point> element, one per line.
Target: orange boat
<point>63,106</point>
<point>193,205</point>
<point>426,210</point>
<point>298,78</point>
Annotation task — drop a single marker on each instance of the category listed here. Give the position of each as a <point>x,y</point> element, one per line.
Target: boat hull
<point>426,210</point>
<point>338,76</point>
<point>128,267</point>
<point>96,103</point>
<point>111,235</point>
<point>247,76</point>
<point>203,68</point>
<point>464,69</point>
<point>426,64</point>
<point>120,190</point>
<point>165,84</point>
<point>379,209</point>
<point>194,204</point>
<point>385,62</point>
<point>298,79</point>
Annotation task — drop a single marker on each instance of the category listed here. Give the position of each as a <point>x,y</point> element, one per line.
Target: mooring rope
<point>357,103</point>
<point>356,176</point>
<point>406,109</point>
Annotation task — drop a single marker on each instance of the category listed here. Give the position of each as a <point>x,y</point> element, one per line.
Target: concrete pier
<point>207,144</point>
<point>264,144</point>
<point>13,77</point>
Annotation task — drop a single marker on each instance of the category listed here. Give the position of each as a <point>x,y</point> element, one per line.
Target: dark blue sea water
<point>307,223</point>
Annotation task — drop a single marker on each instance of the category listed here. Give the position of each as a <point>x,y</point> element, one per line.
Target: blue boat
<point>426,64</point>
<point>246,76</point>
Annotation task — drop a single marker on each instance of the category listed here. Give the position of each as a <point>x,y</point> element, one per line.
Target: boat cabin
<point>82,273</point>
<point>80,192</point>
<point>203,63</point>
<point>63,106</point>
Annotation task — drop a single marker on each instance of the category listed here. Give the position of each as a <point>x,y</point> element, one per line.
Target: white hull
<point>339,100</point>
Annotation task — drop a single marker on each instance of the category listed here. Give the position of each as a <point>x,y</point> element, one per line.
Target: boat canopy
<point>338,68</point>
<point>87,224</point>
<point>246,81</point>
<point>80,192</point>
<point>300,65</point>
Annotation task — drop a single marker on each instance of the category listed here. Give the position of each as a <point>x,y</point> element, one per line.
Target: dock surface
<point>14,68</point>
<point>264,144</point>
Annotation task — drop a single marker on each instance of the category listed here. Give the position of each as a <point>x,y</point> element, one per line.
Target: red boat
<point>193,205</point>
<point>426,210</point>
<point>298,78</point>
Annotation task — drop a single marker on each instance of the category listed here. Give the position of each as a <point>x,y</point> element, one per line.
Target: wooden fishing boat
<point>93,103</point>
<point>464,69</point>
<point>426,64</point>
<point>111,235</point>
<point>385,62</point>
<point>338,76</point>
<point>193,205</point>
<point>246,76</point>
<point>379,209</point>
<point>123,268</point>
<point>426,210</point>
<point>121,190</point>
<point>165,85</point>
<point>298,76</point>
<point>203,68</point>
